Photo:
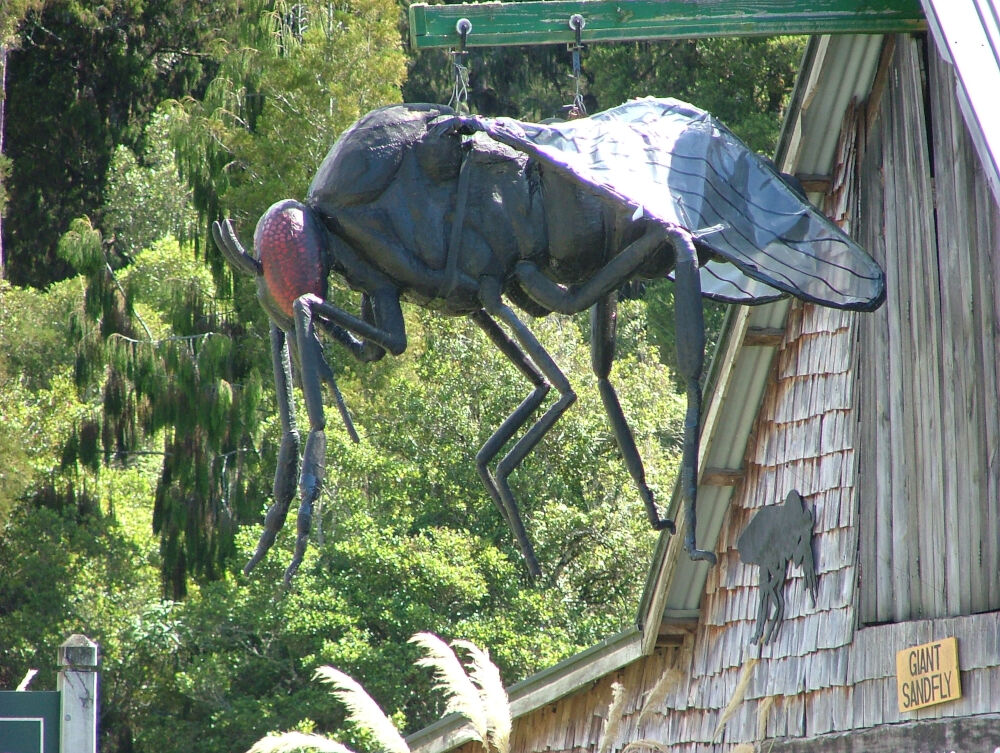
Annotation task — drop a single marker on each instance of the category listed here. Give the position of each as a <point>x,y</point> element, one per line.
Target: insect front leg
<point>603,316</point>
<point>384,328</point>
<point>313,368</point>
<point>490,297</point>
<point>690,326</point>
<point>287,470</point>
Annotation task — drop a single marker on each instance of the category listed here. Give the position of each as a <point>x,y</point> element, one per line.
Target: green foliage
<point>744,82</point>
<point>81,247</point>
<point>103,67</point>
<point>143,202</point>
<point>290,79</point>
<point>12,13</point>
<point>187,386</point>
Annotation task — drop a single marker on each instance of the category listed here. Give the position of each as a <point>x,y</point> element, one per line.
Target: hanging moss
<point>89,453</point>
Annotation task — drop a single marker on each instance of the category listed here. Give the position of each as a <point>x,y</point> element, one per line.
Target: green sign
<point>511,23</point>
<point>29,721</point>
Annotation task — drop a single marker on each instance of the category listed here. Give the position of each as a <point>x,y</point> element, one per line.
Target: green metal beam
<point>547,21</point>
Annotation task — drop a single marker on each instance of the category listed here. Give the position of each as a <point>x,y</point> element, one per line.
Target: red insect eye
<point>290,246</point>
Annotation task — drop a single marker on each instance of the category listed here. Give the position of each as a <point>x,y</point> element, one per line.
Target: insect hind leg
<point>602,353</point>
<point>531,360</point>
<point>508,428</point>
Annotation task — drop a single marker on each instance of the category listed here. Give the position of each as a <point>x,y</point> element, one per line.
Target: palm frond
<point>492,694</point>
<point>746,673</point>
<point>645,744</point>
<point>362,710</point>
<point>461,694</point>
<point>286,742</point>
<point>615,712</point>
<point>762,712</point>
<point>667,682</point>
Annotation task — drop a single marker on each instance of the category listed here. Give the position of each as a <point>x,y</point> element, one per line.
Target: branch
<point>172,338</point>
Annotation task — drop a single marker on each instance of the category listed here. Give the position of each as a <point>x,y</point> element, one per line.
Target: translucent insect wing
<point>678,164</point>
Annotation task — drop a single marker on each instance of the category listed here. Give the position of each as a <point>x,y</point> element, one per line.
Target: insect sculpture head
<point>290,245</point>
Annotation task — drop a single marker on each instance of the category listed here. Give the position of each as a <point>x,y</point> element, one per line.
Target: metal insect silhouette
<point>777,535</point>
<point>467,215</point>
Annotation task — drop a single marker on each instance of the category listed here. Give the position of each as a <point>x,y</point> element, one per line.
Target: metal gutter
<point>967,34</point>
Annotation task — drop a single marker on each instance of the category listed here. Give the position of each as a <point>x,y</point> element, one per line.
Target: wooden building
<point>888,424</point>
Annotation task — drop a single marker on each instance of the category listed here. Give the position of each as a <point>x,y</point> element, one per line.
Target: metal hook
<point>460,92</point>
<point>576,23</point>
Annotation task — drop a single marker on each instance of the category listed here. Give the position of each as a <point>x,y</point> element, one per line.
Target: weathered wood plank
<point>958,303</point>
<point>874,487</point>
<point>896,279</point>
<point>969,734</point>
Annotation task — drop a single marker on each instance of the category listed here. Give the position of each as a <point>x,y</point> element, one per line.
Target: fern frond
<point>362,710</point>
<point>615,712</point>
<point>461,694</point>
<point>667,682</point>
<point>492,694</point>
<point>286,742</point>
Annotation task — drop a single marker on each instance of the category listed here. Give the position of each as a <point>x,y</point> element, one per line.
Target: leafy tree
<point>199,383</point>
<point>11,15</point>
<point>291,78</point>
<point>104,67</point>
<point>744,82</point>
<point>146,201</point>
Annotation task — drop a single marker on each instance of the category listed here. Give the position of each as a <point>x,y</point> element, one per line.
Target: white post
<point>77,684</point>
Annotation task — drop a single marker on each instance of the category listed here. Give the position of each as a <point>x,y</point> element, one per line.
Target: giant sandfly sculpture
<point>475,216</point>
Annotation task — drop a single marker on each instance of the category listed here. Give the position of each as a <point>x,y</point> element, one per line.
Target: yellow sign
<point>927,674</point>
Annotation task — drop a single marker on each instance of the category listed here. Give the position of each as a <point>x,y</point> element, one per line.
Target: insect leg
<point>385,329</point>
<point>508,428</point>
<point>313,367</point>
<point>610,277</point>
<point>777,584</point>
<point>490,296</point>
<point>287,471</point>
<point>690,327</point>
<point>364,350</point>
<point>764,608</point>
<point>603,315</point>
